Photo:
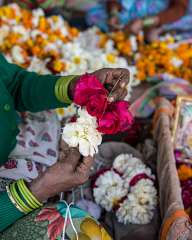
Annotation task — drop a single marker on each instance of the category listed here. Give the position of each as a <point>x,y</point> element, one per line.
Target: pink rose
<point>97,105</point>
<point>117,118</point>
<point>125,117</point>
<point>109,122</point>
<point>87,86</point>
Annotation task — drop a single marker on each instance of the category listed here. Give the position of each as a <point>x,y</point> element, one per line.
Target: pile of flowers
<point>127,189</point>
<point>49,45</point>
<point>96,116</point>
<point>165,57</point>
<point>185,175</point>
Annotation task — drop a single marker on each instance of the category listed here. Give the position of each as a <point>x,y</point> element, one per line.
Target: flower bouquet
<point>96,116</point>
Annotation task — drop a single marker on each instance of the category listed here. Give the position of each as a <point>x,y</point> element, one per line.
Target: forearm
<point>31,91</point>
<point>175,12</point>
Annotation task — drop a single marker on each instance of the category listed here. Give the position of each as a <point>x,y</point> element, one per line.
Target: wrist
<point>37,187</point>
<point>63,89</point>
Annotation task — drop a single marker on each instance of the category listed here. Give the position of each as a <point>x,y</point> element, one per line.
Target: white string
<point>68,215</point>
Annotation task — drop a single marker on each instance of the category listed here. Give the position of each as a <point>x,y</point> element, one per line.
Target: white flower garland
<point>109,190</point>
<point>136,203</point>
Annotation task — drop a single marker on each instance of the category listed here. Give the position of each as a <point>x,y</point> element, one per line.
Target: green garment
<point>22,91</point>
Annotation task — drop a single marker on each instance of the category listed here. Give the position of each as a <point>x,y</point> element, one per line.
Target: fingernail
<point>123,84</point>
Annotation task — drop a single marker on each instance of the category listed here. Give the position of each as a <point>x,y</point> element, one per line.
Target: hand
<point>115,79</point>
<point>113,23</point>
<point>136,26</point>
<point>63,175</point>
<point>153,34</point>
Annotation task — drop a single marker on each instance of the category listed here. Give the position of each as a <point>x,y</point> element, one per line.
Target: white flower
<point>38,66</point>
<point>37,13</point>
<point>176,62</point>
<point>132,171</point>
<point>17,54</point>
<point>123,161</point>
<point>4,32</point>
<point>133,41</point>
<point>22,31</point>
<point>109,190</point>
<point>83,134</point>
<point>66,112</point>
<point>140,204</point>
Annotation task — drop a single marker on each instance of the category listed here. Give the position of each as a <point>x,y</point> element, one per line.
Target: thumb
<point>73,157</point>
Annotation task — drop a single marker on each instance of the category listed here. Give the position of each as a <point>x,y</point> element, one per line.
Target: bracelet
<point>148,22</point>
<point>61,88</point>
<point>21,197</point>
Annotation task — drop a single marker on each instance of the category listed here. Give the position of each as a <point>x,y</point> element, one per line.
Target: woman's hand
<point>114,79</point>
<point>67,173</point>
<point>136,26</point>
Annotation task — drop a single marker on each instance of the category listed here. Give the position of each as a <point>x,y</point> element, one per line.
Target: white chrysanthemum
<point>133,41</point>
<point>123,161</point>
<point>66,112</point>
<point>17,54</point>
<point>109,190</point>
<point>38,66</point>
<point>36,15</point>
<point>176,62</point>
<point>22,31</point>
<point>85,118</point>
<point>140,204</point>
<point>83,134</point>
<point>132,171</point>
<point>4,32</point>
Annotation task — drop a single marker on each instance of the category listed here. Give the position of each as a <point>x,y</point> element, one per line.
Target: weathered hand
<point>67,173</point>
<point>115,79</point>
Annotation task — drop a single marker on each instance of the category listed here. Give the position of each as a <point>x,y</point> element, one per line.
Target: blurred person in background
<point>133,16</point>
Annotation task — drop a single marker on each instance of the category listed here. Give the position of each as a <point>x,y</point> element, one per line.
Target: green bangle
<point>13,200</point>
<point>61,88</point>
<point>27,198</point>
<point>30,195</point>
<point>18,200</point>
<point>148,22</point>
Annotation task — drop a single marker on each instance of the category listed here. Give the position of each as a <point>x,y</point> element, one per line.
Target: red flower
<point>88,86</point>
<point>117,118</point>
<point>56,222</point>
<point>97,105</point>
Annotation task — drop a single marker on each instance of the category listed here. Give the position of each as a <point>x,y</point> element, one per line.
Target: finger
<point>73,157</point>
<point>118,94</point>
<point>85,165</point>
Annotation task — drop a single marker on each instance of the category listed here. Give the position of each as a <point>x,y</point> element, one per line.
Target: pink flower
<point>117,118</point>
<point>96,105</point>
<point>125,117</point>
<point>86,87</point>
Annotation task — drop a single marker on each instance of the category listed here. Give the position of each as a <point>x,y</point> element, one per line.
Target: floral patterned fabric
<point>36,149</point>
<point>48,224</point>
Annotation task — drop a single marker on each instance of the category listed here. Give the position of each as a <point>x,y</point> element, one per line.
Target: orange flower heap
<point>159,57</point>
<point>35,34</point>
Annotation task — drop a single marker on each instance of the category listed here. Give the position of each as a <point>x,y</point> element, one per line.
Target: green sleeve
<point>8,212</point>
<point>30,91</point>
